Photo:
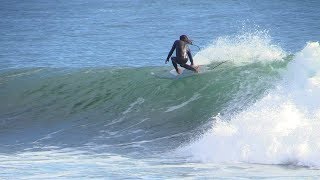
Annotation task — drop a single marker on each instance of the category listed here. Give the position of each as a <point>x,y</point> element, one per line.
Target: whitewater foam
<point>281,128</point>
<point>244,48</point>
<point>139,101</point>
<point>193,98</point>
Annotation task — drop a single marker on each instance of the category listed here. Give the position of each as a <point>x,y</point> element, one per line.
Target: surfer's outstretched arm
<point>171,51</point>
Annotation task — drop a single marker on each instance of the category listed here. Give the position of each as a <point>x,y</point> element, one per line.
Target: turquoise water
<point>85,93</point>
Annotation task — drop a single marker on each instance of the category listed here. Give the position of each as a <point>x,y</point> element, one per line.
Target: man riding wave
<point>182,54</point>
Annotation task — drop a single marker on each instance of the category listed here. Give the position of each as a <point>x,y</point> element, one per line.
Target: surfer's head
<point>185,39</point>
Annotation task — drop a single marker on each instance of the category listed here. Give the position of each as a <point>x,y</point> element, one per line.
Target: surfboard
<point>184,72</point>
<point>172,74</point>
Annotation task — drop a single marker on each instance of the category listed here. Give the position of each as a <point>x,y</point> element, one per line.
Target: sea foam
<point>243,48</point>
<point>281,128</point>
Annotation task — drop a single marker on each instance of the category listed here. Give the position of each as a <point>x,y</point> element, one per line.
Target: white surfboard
<point>184,72</point>
<point>174,72</point>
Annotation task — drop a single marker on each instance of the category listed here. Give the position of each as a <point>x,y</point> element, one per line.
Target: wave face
<point>133,110</point>
<point>128,109</point>
<point>280,128</point>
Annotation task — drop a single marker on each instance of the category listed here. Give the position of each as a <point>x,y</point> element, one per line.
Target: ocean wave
<point>280,128</point>
<point>126,109</point>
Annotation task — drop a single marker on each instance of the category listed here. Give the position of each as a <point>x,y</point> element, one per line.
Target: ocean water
<point>85,93</point>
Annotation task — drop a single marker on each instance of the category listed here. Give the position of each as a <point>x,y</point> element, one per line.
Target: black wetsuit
<point>182,54</point>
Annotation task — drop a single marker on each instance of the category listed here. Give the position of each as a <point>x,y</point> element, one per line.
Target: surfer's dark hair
<point>185,38</point>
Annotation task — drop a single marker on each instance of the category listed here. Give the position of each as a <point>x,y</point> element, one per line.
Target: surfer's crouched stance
<point>182,54</point>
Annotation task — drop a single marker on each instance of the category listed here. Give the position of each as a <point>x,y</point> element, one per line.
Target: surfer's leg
<point>173,59</point>
<point>189,67</point>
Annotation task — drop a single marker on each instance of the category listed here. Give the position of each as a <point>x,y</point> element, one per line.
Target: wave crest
<point>244,48</point>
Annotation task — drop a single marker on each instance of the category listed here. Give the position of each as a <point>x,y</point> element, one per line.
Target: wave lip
<point>243,48</point>
<point>281,128</point>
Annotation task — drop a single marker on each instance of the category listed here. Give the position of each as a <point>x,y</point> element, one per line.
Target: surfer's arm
<point>190,57</point>
<point>171,51</point>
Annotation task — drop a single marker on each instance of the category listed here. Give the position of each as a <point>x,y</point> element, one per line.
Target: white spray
<point>281,128</point>
<point>244,48</point>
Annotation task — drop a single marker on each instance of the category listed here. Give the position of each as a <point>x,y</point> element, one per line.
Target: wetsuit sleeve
<point>171,51</point>
<point>190,56</point>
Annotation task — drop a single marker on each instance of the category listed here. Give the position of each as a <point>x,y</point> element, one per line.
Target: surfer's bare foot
<point>179,71</point>
<point>197,68</point>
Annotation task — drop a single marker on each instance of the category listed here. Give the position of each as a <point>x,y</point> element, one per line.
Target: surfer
<point>182,54</point>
